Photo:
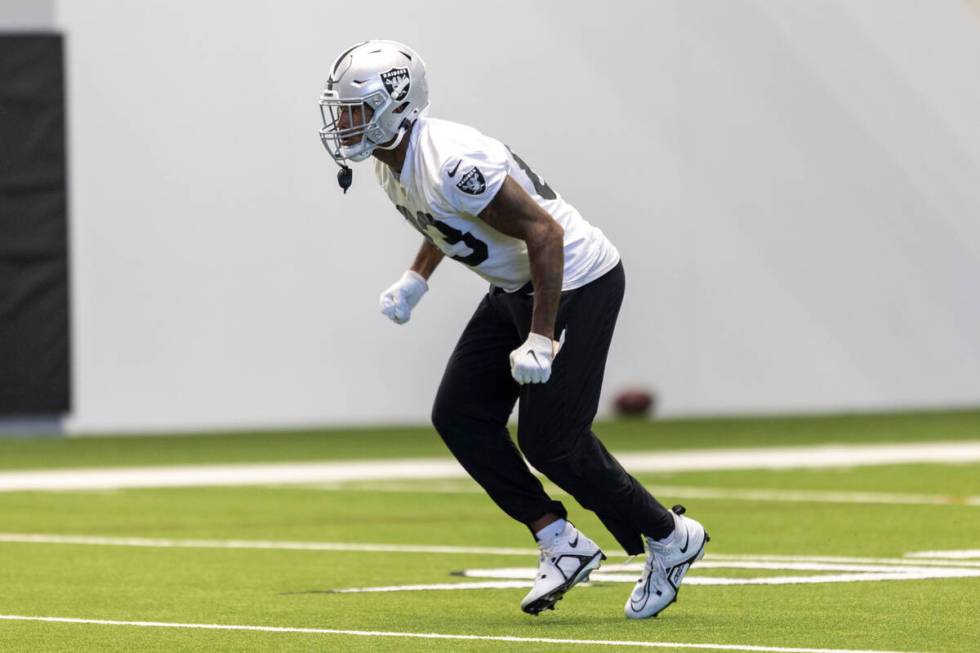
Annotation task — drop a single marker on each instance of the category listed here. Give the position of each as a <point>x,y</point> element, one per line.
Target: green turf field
<point>854,522</point>
<point>410,442</point>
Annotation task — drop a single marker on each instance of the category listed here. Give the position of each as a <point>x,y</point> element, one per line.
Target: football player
<point>541,333</point>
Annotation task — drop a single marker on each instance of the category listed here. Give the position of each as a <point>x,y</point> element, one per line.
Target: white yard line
<point>838,559</point>
<point>443,636</point>
<point>970,554</point>
<point>225,475</point>
<point>692,579</point>
<point>841,562</point>
<point>816,496</point>
<point>856,569</point>
<point>426,587</point>
<point>440,468</point>
<point>691,492</point>
<point>867,570</point>
<point>97,540</point>
<point>867,565</point>
<point>744,561</point>
<point>814,456</point>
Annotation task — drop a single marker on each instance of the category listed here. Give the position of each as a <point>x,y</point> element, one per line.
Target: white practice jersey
<point>451,173</point>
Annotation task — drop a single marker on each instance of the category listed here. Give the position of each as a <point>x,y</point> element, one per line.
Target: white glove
<point>398,301</point>
<point>531,362</point>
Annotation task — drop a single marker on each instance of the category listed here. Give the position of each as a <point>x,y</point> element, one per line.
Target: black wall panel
<point>34,310</point>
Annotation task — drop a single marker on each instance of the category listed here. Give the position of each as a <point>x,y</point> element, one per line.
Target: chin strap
<point>345,175</point>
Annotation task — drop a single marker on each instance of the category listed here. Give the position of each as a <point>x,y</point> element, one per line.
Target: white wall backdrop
<point>22,15</point>
<point>794,186</point>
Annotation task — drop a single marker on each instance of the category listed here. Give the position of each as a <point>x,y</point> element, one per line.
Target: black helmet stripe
<point>345,53</point>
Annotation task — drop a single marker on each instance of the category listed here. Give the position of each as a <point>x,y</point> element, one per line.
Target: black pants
<point>554,431</point>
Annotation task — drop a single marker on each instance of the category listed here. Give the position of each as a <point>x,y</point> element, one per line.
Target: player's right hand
<point>531,362</point>
<point>401,297</point>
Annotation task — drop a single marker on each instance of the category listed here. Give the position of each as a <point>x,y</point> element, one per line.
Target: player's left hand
<point>531,362</point>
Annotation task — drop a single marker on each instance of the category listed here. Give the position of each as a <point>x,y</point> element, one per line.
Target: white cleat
<point>666,566</point>
<point>565,561</point>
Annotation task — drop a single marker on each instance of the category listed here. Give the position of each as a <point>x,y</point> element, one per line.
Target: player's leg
<point>470,412</point>
<point>555,435</point>
<point>474,401</point>
<point>555,420</point>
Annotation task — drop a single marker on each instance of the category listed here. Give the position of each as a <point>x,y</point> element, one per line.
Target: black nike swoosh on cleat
<point>686,542</point>
<point>453,172</point>
<point>638,605</point>
<point>547,601</point>
<point>574,543</point>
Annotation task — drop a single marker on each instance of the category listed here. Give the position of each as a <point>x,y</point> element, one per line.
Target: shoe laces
<point>655,551</point>
<point>548,550</point>
<point>547,555</point>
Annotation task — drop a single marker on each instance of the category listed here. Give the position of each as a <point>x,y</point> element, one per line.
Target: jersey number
<point>454,236</point>
<point>479,252</point>
<point>540,186</point>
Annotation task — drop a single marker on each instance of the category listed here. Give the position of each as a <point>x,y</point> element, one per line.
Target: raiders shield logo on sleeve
<point>472,182</point>
<point>397,82</point>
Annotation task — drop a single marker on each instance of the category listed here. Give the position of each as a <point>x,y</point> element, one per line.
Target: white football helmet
<point>375,91</point>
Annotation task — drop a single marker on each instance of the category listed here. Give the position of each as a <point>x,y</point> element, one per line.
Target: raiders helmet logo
<point>397,82</point>
<point>472,182</point>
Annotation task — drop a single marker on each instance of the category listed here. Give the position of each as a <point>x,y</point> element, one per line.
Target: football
<point>634,402</point>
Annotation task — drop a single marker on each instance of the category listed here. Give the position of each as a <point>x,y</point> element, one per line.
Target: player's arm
<point>427,260</point>
<point>398,300</point>
<point>514,213</point>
